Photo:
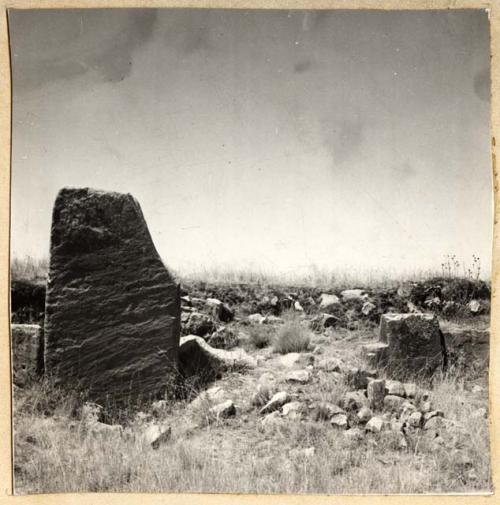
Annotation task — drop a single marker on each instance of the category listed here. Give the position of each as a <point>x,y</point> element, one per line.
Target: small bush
<point>260,336</point>
<point>291,336</point>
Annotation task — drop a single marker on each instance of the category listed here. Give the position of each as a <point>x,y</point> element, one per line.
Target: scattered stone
<point>339,421</point>
<point>368,308</point>
<point>376,393</point>
<point>291,408</point>
<point>415,342</point>
<point>223,410</point>
<point>329,302</point>
<point>375,425</point>
<point>270,319</point>
<point>474,306</point>
<point>395,388</point>
<point>393,403</point>
<point>301,376</point>
<point>415,419</point>
<point>434,423</point>
<point>215,394</point>
<point>272,420</point>
<point>27,353</point>
<point>261,396</point>
<point>476,389</point>
<point>297,306</point>
<point>357,378</point>
<point>433,413</point>
<point>354,401</point>
<point>199,324</point>
<point>326,410</point>
<point>256,318</point>
<point>276,402</point>
<point>425,407</point>
<point>112,312</point>
<point>331,365</point>
<point>357,295</point>
<point>410,390</point>
<point>157,434</point>
<point>220,310</point>
<point>364,415</point>
<point>291,359</point>
<point>328,320</point>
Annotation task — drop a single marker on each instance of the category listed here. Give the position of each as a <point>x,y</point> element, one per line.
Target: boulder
<point>292,409</point>
<point>323,411</point>
<point>368,308</point>
<point>223,410</point>
<point>220,310</point>
<point>354,401</point>
<point>415,342</point>
<point>375,425</point>
<point>157,434</point>
<point>395,388</point>
<point>199,324</point>
<point>198,359</point>
<point>276,402</point>
<point>329,302</point>
<point>354,295</point>
<point>27,353</point>
<point>112,314</point>
<point>393,403</point>
<point>256,318</point>
<point>339,421</point>
<point>364,415</point>
<point>300,376</point>
<point>331,365</point>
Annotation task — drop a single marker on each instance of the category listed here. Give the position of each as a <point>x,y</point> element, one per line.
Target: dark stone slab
<point>27,353</point>
<point>112,314</point>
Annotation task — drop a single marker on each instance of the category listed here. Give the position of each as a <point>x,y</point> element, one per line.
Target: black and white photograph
<point>250,250</point>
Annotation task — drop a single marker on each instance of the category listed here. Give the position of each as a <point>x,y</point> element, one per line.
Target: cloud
<point>50,45</point>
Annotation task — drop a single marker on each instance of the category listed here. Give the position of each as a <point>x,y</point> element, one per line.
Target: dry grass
<point>292,336</point>
<point>236,455</point>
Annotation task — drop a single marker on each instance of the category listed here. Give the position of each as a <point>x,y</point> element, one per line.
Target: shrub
<point>291,336</point>
<point>260,336</point>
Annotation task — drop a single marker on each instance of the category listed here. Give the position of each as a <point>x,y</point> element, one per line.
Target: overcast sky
<point>272,140</point>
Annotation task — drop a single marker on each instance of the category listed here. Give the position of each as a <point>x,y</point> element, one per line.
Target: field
<point>296,449</point>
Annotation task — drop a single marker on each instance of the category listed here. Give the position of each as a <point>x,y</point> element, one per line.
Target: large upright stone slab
<point>112,314</point>
<point>415,342</point>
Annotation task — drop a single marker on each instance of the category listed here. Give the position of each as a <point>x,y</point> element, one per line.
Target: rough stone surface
<point>27,353</point>
<point>276,402</point>
<point>375,425</point>
<point>376,392</point>
<point>112,315</point>
<point>395,388</point>
<point>393,403</point>
<point>328,302</point>
<point>339,421</point>
<point>301,376</point>
<point>415,342</point>
<point>198,359</point>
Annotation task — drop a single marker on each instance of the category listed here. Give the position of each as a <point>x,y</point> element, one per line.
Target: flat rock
<point>197,358</point>
<point>358,295</point>
<point>301,376</point>
<point>339,421</point>
<point>395,388</point>
<point>291,408</point>
<point>112,317</point>
<point>328,302</point>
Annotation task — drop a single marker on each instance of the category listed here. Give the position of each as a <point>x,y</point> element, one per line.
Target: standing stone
<point>376,393</point>
<point>27,353</point>
<point>112,314</point>
<point>415,342</point>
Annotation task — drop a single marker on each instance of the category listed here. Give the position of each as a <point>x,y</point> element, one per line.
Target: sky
<point>281,141</point>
